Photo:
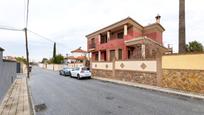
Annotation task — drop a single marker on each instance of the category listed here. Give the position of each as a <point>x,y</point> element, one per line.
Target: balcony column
<point>107,55</point>
<point>108,35</point>
<point>99,38</point>
<point>99,55</point>
<point>116,54</point>
<point>143,51</point>
<point>125,30</point>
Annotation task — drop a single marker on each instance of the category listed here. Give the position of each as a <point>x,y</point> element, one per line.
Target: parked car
<point>81,72</point>
<point>65,71</point>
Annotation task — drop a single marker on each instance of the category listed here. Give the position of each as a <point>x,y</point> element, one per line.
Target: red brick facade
<point>105,43</point>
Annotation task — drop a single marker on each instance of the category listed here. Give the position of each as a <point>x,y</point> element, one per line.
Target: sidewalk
<point>16,101</point>
<point>155,88</point>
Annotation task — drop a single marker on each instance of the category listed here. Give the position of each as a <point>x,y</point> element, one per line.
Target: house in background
<point>126,40</point>
<point>77,58</point>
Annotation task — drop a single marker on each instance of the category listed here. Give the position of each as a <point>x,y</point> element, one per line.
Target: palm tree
<point>182,33</point>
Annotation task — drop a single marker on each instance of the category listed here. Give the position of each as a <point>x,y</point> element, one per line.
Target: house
<point>77,58</point>
<point>126,40</point>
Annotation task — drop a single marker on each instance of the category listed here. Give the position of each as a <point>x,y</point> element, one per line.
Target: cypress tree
<point>54,53</point>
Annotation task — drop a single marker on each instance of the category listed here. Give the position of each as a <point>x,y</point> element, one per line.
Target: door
<point>18,68</point>
<point>112,55</point>
<point>76,71</point>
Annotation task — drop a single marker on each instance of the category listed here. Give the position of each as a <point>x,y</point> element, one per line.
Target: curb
<point>32,112</point>
<point>155,88</point>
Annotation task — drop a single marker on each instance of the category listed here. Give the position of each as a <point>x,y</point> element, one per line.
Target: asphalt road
<point>69,96</point>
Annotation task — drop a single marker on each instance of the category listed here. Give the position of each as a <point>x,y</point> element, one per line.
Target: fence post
<point>113,68</point>
<point>159,67</point>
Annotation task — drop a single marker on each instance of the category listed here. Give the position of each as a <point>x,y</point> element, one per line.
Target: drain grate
<point>40,107</point>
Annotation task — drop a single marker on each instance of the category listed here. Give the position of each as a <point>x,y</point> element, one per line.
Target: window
<point>119,54</point>
<point>92,44</point>
<point>130,52</point>
<point>103,39</point>
<point>85,68</point>
<point>120,35</point>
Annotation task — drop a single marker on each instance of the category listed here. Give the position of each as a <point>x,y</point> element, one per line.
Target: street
<point>69,96</point>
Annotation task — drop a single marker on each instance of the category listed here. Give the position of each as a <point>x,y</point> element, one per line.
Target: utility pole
<point>27,53</point>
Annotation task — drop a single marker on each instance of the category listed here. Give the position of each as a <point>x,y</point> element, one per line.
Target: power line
<point>41,36</point>
<point>46,38</point>
<point>11,29</point>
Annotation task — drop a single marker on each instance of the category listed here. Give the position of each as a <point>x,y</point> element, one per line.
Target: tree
<point>194,46</point>
<point>182,31</point>
<point>58,59</point>
<point>21,59</point>
<point>44,60</point>
<point>54,52</point>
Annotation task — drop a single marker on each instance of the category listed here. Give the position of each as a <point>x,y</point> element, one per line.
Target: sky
<point>67,22</point>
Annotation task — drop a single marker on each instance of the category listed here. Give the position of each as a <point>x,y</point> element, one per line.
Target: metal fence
<point>7,76</point>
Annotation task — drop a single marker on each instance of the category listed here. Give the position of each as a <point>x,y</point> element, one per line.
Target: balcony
<point>91,46</point>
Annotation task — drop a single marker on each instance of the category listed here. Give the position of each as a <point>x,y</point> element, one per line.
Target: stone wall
<point>187,80</point>
<point>124,75</point>
<point>102,73</point>
<point>149,78</point>
<point>54,67</point>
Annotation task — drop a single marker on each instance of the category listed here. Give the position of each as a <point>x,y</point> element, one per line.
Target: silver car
<point>65,71</point>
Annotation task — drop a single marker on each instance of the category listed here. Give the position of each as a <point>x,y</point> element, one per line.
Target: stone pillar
<point>159,67</point>
<point>90,60</point>
<point>143,51</point>
<point>113,69</point>
<point>99,55</point>
<point>108,35</point>
<point>125,30</point>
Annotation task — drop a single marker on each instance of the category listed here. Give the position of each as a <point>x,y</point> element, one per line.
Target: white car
<point>81,72</point>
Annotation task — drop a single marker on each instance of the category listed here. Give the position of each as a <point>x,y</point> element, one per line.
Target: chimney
<point>158,17</point>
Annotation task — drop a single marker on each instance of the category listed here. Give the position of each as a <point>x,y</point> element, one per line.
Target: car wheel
<point>69,74</point>
<point>78,76</point>
<point>65,74</point>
